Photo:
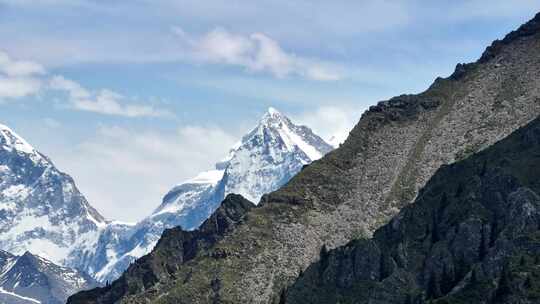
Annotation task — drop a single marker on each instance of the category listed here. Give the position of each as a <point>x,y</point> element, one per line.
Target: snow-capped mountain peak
<point>262,161</point>
<point>13,143</point>
<point>276,129</point>
<point>41,209</point>
<point>270,155</point>
<point>266,157</point>
<point>273,119</point>
<point>10,140</point>
<point>272,116</point>
<point>32,279</point>
<point>272,111</point>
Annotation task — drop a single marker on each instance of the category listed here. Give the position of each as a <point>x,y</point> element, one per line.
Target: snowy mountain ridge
<point>11,141</point>
<point>42,211</point>
<point>32,279</point>
<point>269,155</point>
<point>265,159</point>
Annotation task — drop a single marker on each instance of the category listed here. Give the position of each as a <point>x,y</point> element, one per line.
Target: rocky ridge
<point>30,279</point>
<point>391,153</point>
<point>175,248</point>
<point>42,210</point>
<point>471,236</point>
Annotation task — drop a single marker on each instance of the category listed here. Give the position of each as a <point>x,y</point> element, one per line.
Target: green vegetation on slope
<point>471,236</point>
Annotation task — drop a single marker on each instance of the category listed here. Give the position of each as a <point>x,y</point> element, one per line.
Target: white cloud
<point>108,102</point>
<point>11,88</point>
<point>18,78</point>
<point>19,68</point>
<point>255,52</point>
<point>125,173</point>
<point>332,123</point>
<point>103,101</point>
<point>74,89</point>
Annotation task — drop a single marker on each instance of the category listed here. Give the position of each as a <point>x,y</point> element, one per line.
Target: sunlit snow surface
<point>42,211</point>
<point>11,141</point>
<point>32,279</point>
<point>265,159</point>
<point>12,294</point>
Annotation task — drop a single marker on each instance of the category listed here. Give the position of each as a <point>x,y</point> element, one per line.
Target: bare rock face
<point>391,153</point>
<point>175,248</point>
<point>30,279</point>
<point>471,236</point>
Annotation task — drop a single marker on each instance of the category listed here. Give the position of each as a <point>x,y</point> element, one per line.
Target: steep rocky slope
<point>471,236</point>
<point>394,149</point>
<point>175,248</point>
<point>31,279</point>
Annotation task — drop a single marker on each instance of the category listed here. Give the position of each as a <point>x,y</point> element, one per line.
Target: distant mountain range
<point>264,160</point>
<point>42,211</point>
<point>30,279</point>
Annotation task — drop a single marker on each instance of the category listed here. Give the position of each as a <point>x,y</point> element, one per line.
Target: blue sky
<point>132,97</point>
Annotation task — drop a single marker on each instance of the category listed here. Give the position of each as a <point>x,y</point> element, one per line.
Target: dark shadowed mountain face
<point>32,279</point>
<point>472,236</point>
<point>175,248</point>
<point>391,153</point>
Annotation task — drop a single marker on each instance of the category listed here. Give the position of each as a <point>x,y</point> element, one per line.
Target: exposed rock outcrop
<point>471,236</point>
<point>174,249</point>
<point>391,153</point>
